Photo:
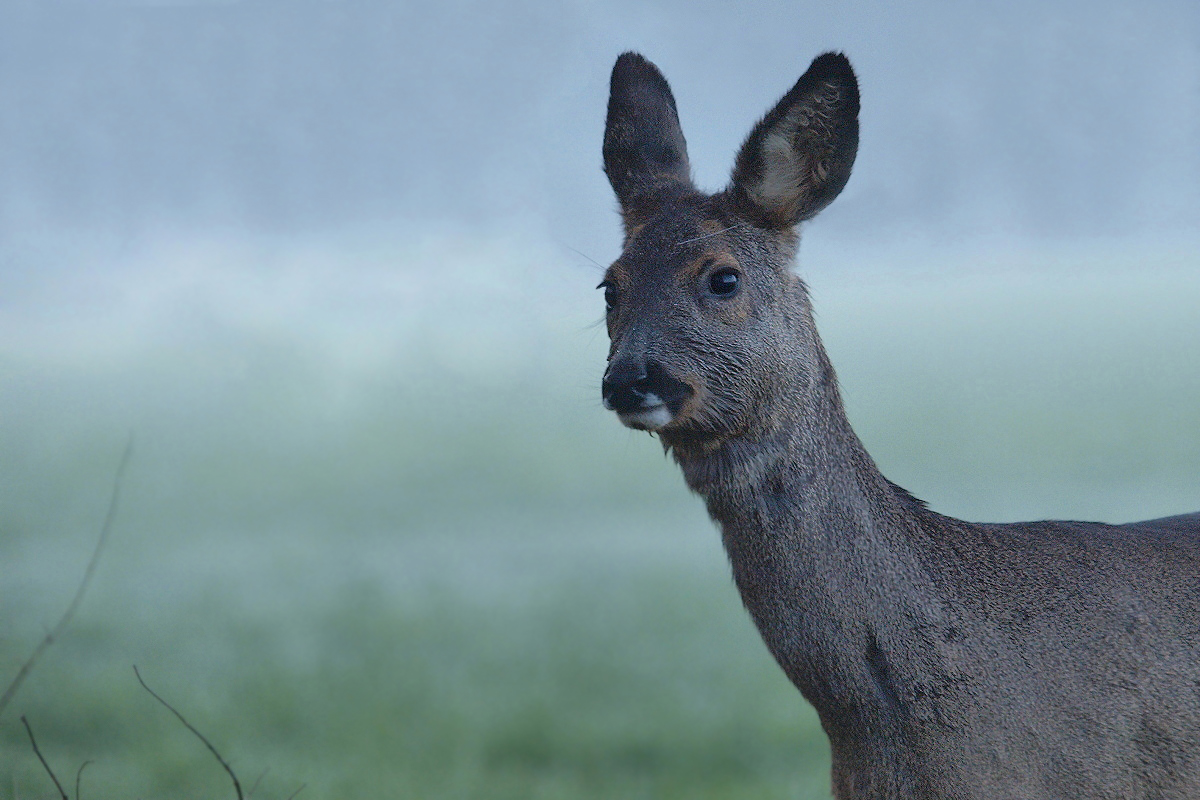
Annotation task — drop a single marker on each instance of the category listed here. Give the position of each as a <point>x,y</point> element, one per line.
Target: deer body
<point>945,659</point>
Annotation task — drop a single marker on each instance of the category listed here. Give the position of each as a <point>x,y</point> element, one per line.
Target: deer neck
<point>795,462</point>
<point>816,535</point>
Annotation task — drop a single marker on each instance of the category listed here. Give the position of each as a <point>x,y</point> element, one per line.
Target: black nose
<point>624,387</point>
<point>632,385</point>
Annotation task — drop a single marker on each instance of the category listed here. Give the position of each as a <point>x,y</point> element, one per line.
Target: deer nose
<point>633,385</point>
<point>625,387</point>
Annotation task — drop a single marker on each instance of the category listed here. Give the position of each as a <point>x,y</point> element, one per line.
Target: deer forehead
<point>675,246</point>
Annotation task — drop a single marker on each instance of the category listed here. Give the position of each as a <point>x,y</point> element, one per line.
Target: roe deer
<point>946,659</point>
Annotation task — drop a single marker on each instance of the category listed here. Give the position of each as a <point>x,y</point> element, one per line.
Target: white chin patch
<point>650,419</point>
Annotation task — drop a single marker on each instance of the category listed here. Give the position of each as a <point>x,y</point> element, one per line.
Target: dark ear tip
<point>835,68</point>
<point>631,66</point>
<point>833,64</point>
<point>833,60</point>
<point>630,59</point>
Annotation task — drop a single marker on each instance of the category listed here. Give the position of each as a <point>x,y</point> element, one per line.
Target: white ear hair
<point>798,158</point>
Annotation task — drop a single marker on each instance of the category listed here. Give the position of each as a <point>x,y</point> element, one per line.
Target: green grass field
<point>379,538</point>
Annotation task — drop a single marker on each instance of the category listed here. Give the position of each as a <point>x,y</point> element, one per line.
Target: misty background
<point>332,264</point>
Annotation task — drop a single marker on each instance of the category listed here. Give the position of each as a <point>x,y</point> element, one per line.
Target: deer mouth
<point>654,414</point>
<point>644,394</point>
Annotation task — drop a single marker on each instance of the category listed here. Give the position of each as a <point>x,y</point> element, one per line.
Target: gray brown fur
<point>946,659</point>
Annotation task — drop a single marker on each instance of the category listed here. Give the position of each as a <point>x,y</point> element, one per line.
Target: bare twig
<point>253,788</point>
<point>298,791</point>
<point>38,753</point>
<point>237,787</point>
<point>58,629</point>
<point>79,775</point>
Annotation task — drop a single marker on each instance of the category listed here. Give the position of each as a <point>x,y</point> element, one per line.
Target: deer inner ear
<point>799,157</point>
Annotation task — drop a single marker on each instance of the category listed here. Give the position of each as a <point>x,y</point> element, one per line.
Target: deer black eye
<point>724,281</point>
<point>610,295</point>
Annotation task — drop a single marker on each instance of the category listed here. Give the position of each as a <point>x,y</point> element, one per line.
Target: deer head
<point>709,326</point>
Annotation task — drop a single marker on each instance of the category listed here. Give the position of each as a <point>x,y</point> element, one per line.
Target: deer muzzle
<point>643,393</point>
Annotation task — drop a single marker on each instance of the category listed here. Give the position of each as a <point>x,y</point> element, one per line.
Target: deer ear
<point>644,149</point>
<point>798,158</point>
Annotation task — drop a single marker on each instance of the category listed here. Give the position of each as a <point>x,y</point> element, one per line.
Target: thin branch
<point>237,787</point>
<point>253,788</point>
<point>58,629</point>
<point>79,775</point>
<point>38,753</point>
<point>298,791</point>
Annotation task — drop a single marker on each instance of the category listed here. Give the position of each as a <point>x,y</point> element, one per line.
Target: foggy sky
<point>1020,119</point>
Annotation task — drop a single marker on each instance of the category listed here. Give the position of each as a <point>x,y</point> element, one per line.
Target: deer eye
<point>724,282</point>
<point>610,295</point>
